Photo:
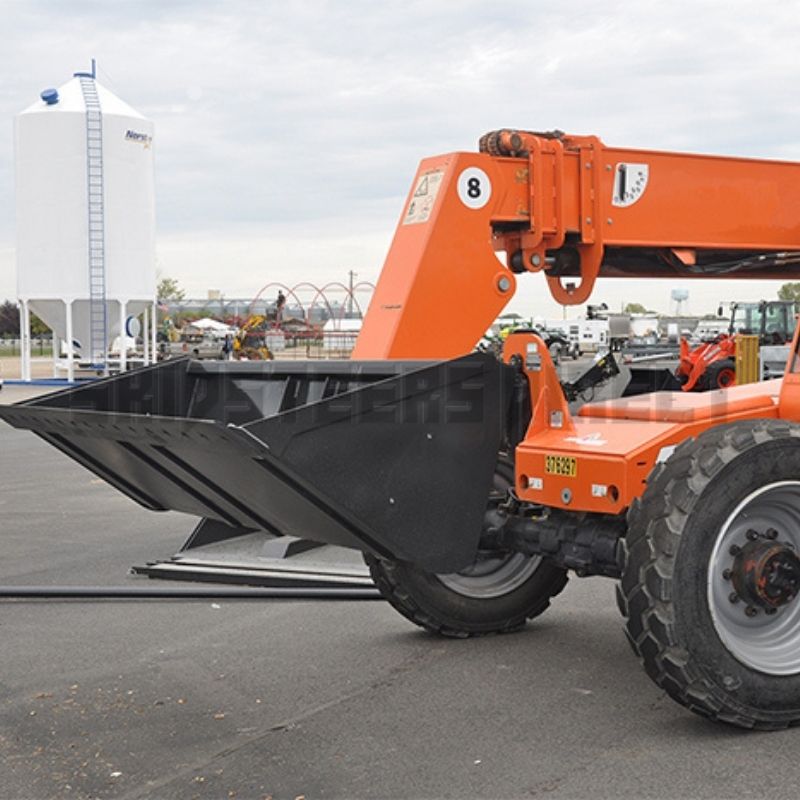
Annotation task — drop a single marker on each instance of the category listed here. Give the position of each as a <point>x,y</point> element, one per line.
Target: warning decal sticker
<point>421,205</point>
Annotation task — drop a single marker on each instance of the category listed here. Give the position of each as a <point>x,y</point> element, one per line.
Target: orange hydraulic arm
<point>574,209</point>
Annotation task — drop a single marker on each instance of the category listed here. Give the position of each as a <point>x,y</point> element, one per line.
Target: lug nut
<point>752,535</point>
<point>751,611</point>
<point>770,611</point>
<point>771,533</point>
<point>734,549</point>
<point>733,597</point>
<point>726,574</point>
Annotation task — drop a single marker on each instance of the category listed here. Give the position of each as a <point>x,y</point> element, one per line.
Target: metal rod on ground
<point>183,593</point>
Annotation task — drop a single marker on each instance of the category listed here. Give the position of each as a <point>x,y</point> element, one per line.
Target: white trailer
<point>590,335</point>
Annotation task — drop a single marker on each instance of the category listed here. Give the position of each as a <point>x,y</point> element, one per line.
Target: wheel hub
<point>754,579</point>
<point>766,573</point>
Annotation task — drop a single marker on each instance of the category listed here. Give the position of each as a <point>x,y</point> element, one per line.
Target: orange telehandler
<point>466,481</point>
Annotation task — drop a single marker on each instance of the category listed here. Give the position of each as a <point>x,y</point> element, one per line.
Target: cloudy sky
<point>287,134</point>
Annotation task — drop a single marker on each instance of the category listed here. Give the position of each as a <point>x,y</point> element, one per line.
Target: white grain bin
<point>85,219</point>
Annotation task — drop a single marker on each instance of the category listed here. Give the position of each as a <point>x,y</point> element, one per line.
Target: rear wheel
<point>495,594</point>
<point>710,588</point>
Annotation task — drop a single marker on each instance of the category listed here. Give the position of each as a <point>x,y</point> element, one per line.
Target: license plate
<point>566,466</point>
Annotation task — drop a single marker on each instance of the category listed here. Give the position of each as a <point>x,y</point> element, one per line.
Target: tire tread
<point>645,591</point>
<point>384,574</point>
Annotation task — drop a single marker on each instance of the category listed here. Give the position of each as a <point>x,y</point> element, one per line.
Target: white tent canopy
<point>208,324</point>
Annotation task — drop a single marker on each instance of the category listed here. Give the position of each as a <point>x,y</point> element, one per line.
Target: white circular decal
<point>474,187</point>
<point>132,327</point>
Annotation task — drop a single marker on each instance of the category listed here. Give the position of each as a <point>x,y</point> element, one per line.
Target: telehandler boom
<point>575,210</point>
<point>466,481</point>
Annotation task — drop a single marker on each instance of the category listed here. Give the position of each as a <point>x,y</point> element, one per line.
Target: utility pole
<point>353,276</point>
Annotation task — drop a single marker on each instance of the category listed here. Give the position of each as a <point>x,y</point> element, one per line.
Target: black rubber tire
<point>663,593</point>
<point>422,598</point>
<point>714,377</point>
<point>555,349</point>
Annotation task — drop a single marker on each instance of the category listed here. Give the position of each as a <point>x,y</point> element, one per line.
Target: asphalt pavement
<point>283,699</point>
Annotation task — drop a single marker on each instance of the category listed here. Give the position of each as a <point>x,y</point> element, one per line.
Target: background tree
<point>9,319</point>
<point>169,289</point>
<point>635,308</point>
<point>38,328</point>
<point>789,291</point>
<point>9,322</point>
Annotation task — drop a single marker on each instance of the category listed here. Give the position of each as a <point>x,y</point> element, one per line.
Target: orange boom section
<point>576,210</point>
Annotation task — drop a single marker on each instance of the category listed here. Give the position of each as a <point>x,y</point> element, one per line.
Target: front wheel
<point>713,574</point>
<point>719,375</point>
<point>498,593</point>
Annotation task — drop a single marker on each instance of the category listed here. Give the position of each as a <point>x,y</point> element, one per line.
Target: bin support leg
<point>146,334</point>
<point>123,336</point>
<point>56,348</point>
<point>70,345</point>
<point>153,334</point>
<point>25,340</point>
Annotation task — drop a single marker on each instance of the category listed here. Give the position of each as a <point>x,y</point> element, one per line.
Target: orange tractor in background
<point>469,485</point>
<point>712,364</point>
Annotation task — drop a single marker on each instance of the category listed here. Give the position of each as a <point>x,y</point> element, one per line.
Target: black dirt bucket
<point>649,379</point>
<point>393,458</point>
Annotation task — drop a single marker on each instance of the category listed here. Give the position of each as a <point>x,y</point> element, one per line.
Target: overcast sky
<point>287,134</point>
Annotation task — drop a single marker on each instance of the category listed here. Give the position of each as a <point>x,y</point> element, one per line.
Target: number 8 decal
<point>474,187</point>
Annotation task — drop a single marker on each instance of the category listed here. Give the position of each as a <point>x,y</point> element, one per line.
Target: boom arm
<point>575,209</point>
